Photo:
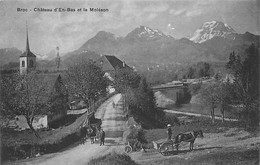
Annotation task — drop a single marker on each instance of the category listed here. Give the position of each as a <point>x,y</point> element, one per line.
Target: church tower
<point>27,59</point>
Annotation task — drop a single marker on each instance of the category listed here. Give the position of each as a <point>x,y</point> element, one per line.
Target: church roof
<point>109,63</point>
<point>27,54</point>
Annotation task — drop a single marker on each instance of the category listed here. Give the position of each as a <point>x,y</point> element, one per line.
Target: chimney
<point>123,64</point>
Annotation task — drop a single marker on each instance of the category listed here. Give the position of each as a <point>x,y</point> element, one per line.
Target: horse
<point>92,133</point>
<point>188,137</point>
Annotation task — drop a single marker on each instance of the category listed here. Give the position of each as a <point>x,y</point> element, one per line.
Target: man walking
<point>102,137</point>
<point>169,131</point>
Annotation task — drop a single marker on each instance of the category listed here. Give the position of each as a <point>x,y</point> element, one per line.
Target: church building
<point>55,93</point>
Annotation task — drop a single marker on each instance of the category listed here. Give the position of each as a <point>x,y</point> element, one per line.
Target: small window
<point>23,63</point>
<point>31,63</point>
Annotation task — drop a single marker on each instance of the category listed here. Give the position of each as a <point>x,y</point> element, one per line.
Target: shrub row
<point>22,151</point>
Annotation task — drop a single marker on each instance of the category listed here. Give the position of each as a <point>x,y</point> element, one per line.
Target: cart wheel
<point>164,148</point>
<point>128,149</point>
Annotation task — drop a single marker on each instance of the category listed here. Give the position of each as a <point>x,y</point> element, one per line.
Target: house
<point>109,64</point>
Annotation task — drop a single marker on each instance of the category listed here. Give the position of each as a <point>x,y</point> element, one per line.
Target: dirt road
<point>112,123</point>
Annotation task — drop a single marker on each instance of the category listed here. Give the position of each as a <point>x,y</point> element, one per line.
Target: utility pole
<point>58,58</point>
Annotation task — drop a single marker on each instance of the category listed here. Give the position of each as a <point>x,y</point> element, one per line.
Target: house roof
<point>109,63</point>
<point>50,82</point>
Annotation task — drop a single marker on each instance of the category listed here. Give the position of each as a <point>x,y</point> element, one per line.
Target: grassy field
<point>210,152</point>
<point>197,123</point>
<point>242,157</point>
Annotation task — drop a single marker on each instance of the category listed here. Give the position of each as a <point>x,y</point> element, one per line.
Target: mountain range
<point>212,42</point>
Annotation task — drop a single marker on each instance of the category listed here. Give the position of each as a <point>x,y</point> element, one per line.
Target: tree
<point>246,83</point>
<point>23,95</point>
<point>203,69</point>
<point>209,97</point>
<point>138,95</point>
<point>86,81</point>
<point>223,94</point>
<point>146,98</point>
<point>125,78</point>
<point>191,73</point>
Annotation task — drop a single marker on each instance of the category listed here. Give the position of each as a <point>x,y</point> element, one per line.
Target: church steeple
<point>27,52</point>
<point>27,40</point>
<point>27,58</point>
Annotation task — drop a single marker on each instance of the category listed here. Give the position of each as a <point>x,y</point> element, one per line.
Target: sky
<point>70,30</point>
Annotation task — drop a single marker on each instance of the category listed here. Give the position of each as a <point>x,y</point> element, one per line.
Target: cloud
<point>193,13</point>
<point>151,16</point>
<point>177,12</point>
<point>156,8</point>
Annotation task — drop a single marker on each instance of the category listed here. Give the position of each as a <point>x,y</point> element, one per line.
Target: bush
<point>112,159</point>
<point>136,134</point>
<point>171,119</point>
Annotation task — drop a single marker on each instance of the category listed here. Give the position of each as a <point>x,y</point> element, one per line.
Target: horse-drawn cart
<point>165,147</point>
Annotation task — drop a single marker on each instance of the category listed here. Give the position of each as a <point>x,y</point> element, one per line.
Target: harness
<point>193,137</point>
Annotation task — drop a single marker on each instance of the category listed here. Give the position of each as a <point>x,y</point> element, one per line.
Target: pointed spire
<point>27,40</point>
<point>27,52</point>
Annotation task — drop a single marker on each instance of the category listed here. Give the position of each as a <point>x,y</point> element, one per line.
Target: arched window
<point>31,63</point>
<point>23,63</point>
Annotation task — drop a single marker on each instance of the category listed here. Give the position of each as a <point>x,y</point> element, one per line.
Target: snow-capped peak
<point>145,33</point>
<point>149,32</point>
<point>210,30</point>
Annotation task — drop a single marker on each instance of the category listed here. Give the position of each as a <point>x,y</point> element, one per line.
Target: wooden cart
<point>165,147</point>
